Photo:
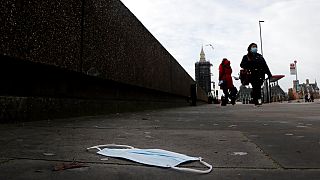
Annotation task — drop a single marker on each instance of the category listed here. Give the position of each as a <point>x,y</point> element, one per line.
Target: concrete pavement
<point>276,141</point>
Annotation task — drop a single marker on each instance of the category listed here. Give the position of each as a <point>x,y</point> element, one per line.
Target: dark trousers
<point>226,95</point>
<point>256,89</point>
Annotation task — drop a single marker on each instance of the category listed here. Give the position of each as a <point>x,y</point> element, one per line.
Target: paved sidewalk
<point>275,141</point>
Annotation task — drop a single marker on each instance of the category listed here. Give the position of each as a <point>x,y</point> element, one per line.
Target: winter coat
<point>257,66</point>
<point>225,72</point>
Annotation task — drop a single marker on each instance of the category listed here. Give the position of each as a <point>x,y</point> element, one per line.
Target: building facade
<point>203,73</point>
<point>244,94</point>
<point>270,92</point>
<point>308,89</point>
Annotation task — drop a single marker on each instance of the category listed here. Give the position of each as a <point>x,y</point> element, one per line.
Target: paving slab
<point>275,141</point>
<point>217,147</point>
<point>39,169</point>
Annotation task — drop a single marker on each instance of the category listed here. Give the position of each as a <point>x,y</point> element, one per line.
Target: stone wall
<point>97,53</point>
<point>42,31</point>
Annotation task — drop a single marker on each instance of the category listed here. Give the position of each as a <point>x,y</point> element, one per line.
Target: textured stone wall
<point>42,31</point>
<point>120,48</point>
<point>80,39</point>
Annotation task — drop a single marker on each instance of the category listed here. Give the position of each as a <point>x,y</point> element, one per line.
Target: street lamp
<point>267,83</point>
<point>260,36</point>
<point>295,65</point>
<point>211,46</point>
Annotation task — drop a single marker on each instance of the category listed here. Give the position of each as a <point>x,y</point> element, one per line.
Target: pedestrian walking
<point>225,82</point>
<point>254,64</point>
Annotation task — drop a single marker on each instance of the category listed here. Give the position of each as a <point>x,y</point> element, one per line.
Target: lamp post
<point>267,83</point>
<point>295,65</point>
<point>260,37</point>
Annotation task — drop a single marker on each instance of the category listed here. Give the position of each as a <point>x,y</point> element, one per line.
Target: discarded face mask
<point>153,157</point>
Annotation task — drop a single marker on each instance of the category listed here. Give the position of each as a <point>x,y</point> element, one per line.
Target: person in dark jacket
<point>255,63</point>
<point>225,81</point>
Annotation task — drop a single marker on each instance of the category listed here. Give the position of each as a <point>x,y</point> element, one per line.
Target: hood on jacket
<point>226,62</point>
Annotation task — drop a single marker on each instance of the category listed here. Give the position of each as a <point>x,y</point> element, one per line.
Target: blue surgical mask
<point>153,157</point>
<point>254,50</point>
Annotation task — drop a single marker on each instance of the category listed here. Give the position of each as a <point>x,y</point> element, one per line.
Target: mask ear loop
<point>196,170</point>
<point>110,146</point>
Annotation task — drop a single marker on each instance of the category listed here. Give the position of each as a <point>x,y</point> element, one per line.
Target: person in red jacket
<point>225,81</point>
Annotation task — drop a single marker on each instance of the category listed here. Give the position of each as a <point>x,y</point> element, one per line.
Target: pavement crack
<point>277,164</point>
<point>3,161</point>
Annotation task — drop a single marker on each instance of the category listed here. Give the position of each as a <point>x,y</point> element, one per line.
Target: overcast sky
<point>291,31</point>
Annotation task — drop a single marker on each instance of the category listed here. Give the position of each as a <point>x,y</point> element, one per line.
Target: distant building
<point>244,94</point>
<point>276,94</point>
<point>308,88</point>
<point>203,73</point>
<point>271,89</point>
